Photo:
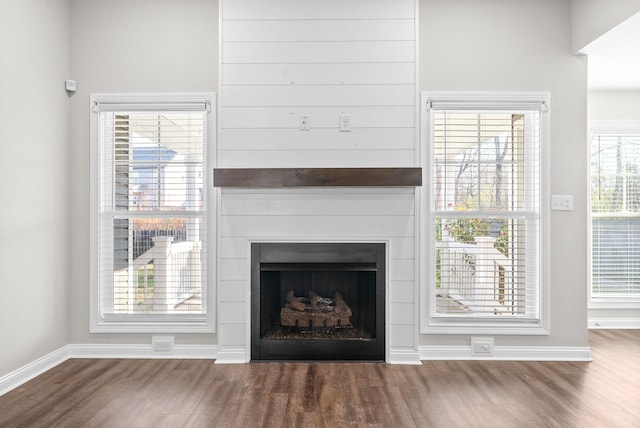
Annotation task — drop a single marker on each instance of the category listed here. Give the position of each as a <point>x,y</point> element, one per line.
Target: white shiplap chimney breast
<point>286,60</point>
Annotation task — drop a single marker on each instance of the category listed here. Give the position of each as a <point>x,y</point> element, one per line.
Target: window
<point>150,213</point>
<point>484,223</point>
<point>615,213</point>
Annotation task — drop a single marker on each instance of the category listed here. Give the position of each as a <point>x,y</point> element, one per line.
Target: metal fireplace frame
<point>297,255</point>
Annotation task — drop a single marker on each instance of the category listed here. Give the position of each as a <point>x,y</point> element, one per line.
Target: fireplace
<point>318,301</point>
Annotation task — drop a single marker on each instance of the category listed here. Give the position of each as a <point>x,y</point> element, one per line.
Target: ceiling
<point>614,58</point>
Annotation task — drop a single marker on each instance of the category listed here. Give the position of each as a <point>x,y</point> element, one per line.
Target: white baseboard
<point>404,357</point>
<point>27,372</point>
<point>614,323</point>
<point>229,355</point>
<point>507,353</point>
<point>200,352</point>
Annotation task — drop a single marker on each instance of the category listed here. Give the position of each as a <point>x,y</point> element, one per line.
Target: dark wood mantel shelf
<point>313,177</point>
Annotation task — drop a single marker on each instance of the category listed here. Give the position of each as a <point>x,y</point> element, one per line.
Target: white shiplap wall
<point>317,215</point>
<point>282,59</point>
<point>285,59</point>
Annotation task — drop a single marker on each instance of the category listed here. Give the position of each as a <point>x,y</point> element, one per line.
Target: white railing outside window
<point>151,212</point>
<point>485,157</point>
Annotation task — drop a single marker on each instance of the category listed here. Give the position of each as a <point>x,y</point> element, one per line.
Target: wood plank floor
<point>197,393</point>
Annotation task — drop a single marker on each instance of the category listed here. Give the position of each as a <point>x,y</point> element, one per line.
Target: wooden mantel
<point>313,177</point>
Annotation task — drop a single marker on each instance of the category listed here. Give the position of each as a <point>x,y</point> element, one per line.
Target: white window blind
<point>152,211</point>
<point>485,210</point>
<point>615,215</point>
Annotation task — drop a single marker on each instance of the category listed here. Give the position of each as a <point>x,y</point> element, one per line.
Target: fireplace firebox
<point>318,301</point>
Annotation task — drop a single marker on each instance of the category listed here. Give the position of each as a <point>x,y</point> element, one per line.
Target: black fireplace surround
<point>318,301</point>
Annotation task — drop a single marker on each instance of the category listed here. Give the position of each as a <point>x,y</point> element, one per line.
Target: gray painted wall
<point>34,194</point>
<point>592,18</point>
<point>614,105</point>
<point>121,46</point>
<point>524,46</point>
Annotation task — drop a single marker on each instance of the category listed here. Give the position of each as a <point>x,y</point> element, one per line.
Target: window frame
<point>429,322</point>
<point>153,323</point>
<point>610,127</point>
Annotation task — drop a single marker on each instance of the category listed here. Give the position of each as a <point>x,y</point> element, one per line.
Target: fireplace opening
<point>318,301</point>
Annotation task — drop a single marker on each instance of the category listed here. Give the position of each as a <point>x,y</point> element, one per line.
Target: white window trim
<point>603,302</point>
<point>167,323</point>
<point>473,326</point>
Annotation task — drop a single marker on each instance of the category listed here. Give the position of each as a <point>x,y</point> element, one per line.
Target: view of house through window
<point>485,212</point>
<point>615,215</point>
<point>152,221</point>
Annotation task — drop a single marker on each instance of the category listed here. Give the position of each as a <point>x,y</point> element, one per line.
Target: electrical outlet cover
<point>562,202</point>
<point>344,121</point>
<point>305,123</point>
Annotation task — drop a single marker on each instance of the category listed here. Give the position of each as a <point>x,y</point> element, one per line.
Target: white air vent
<point>482,346</point>
<point>162,344</point>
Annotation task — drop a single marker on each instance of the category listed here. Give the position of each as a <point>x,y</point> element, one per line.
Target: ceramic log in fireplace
<point>318,301</point>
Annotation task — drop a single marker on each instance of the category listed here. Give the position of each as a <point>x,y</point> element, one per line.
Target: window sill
<point>153,324</point>
<point>631,303</point>
<point>476,327</point>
